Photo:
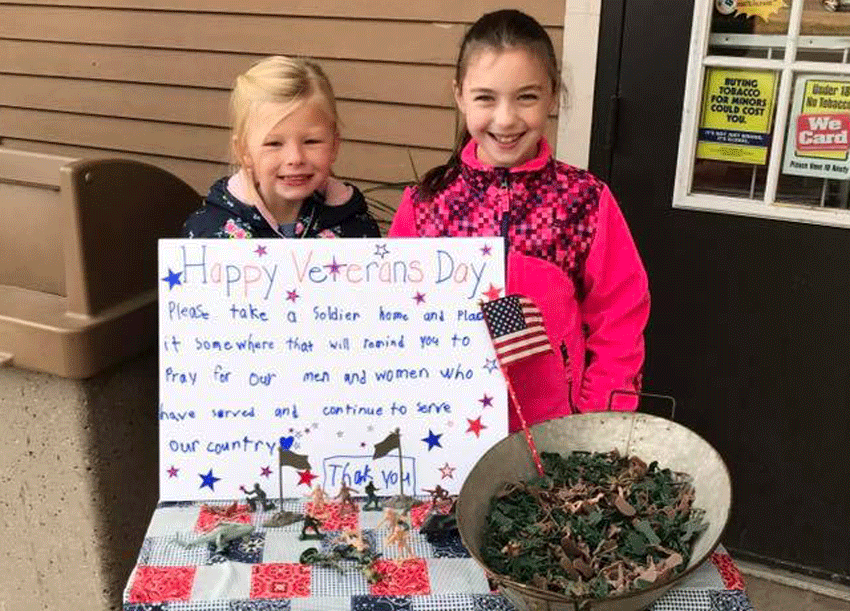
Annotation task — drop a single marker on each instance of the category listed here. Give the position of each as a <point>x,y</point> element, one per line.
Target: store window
<point>766,117</point>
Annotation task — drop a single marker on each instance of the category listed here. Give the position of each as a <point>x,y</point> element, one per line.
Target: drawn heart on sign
<point>286,442</point>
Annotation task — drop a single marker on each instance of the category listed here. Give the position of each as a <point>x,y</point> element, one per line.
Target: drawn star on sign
<point>446,471</point>
<point>265,471</point>
<point>334,267</point>
<point>475,426</point>
<point>419,297</point>
<point>305,477</point>
<point>433,440</point>
<point>173,279</point>
<point>492,293</point>
<point>208,480</point>
<point>486,401</point>
<point>381,250</point>
<point>172,472</point>
<point>485,250</point>
<point>490,365</point>
<point>260,250</point>
<point>292,295</point>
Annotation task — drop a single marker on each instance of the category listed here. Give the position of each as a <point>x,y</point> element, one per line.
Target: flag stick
<point>528,437</point>
<point>526,430</point>
<point>280,478</point>
<point>400,468</point>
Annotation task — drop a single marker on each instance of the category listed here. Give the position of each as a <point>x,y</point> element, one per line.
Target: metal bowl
<point>650,438</point>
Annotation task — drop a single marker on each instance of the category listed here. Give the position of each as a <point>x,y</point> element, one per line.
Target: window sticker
<point>818,139</point>
<point>737,115</point>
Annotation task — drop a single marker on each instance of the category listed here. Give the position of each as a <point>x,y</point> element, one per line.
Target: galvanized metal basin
<point>649,437</point>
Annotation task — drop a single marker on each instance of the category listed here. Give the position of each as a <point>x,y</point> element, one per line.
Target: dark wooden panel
<point>748,329</point>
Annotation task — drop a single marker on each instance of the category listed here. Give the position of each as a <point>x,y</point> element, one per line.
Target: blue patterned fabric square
<point>492,602</point>
<point>729,600</point>
<point>246,549</point>
<point>448,546</point>
<point>380,603</point>
<point>259,605</point>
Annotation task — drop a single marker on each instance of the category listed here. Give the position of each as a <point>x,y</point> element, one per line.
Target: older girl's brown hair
<point>497,31</point>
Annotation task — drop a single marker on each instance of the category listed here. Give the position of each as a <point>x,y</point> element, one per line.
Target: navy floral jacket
<point>225,216</point>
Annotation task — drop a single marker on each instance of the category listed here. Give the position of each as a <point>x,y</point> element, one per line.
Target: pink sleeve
<point>403,225</point>
<point>615,309</point>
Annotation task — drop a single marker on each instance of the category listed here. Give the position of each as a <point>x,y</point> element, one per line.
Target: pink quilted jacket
<point>571,252</point>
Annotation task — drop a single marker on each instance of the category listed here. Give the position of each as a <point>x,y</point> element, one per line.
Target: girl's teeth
<point>506,139</point>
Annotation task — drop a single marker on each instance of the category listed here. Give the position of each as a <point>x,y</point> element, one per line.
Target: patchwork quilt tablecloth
<point>261,572</point>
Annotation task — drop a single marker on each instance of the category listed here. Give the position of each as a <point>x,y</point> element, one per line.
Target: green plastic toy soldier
<point>257,496</point>
<point>311,523</point>
<point>371,498</point>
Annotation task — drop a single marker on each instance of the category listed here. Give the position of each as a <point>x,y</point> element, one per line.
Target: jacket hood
<point>314,213</point>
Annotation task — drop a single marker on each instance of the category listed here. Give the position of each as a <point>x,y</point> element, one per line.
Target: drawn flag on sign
<point>516,327</point>
<point>288,458</point>
<point>390,443</point>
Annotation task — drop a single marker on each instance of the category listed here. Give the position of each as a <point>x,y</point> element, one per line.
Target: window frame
<point>786,70</point>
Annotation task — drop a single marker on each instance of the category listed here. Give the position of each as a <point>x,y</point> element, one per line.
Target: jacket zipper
<point>505,219</point>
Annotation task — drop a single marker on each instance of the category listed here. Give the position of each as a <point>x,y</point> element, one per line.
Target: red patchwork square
<point>333,519</point>
<point>420,512</point>
<point>728,571</point>
<point>401,578</point>
<point>209,519</point>
<point>280,581</point>
<point>156,584</point>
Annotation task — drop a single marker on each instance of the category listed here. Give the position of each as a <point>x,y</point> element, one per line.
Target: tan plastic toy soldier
<point>346,502</point>
<point>401,537</point>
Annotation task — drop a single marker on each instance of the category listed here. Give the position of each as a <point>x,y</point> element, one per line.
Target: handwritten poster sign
<point>310,353</point>
<point>737,115</point>
<point>817,143</point>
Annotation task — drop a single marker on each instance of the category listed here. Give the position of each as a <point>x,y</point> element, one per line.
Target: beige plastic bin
<point>78,258</point>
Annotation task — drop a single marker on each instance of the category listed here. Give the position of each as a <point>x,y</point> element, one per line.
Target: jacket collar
<point>313,208</point>
<point>469,156</point>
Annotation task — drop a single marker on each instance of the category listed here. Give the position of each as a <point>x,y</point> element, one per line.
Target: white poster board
<point>324,347</point>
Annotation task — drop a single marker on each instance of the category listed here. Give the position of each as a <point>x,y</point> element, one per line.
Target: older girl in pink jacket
<point>569,249</point>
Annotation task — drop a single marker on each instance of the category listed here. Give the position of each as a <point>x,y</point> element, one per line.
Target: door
<point>750,322</point>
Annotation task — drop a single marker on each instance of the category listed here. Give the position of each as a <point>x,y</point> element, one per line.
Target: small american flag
<point>516,327</point>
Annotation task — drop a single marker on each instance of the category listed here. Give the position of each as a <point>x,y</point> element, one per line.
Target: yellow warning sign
<point>737,115</point>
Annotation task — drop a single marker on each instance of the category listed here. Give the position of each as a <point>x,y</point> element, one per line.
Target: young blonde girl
<point>569,249</point>
<point>284,141</point>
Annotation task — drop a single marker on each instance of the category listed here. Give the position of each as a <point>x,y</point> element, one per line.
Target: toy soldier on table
<point>371,498</point>
<point>311,523</point>
<point>346,502</point>
<point>400,535</point>
<point>439,495</point>
<point>257,496</point>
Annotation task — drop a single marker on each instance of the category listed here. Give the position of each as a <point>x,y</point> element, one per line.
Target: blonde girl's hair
<point>279,79</point>
<point>496,31</point>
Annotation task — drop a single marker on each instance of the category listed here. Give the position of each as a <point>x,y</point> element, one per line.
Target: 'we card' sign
<point>308,354</point>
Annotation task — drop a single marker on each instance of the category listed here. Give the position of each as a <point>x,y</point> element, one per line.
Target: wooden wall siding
<point>150,80</point>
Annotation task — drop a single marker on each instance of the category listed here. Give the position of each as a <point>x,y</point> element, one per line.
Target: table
<point>261,572</point>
